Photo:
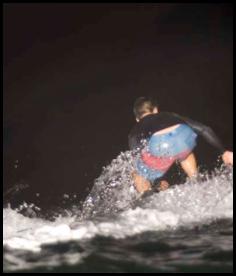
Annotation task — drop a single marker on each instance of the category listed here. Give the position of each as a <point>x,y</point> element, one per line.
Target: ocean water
<point>187,228</point>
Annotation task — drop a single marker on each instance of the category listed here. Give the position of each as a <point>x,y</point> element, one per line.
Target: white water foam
<point>186,205</point>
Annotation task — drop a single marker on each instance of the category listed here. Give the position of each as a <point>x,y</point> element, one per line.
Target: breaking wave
<point>113,209</point>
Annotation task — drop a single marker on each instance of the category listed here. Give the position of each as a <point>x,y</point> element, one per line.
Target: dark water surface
<point>204,249</point>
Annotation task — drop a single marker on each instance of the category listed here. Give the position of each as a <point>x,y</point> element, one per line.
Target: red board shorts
<point>163,150</point>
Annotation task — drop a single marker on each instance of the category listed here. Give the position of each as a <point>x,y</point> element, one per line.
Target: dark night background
<point>71,73</point>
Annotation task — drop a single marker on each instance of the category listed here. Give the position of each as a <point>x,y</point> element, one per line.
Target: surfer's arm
<point>206,132</point>
<point>210,136</point>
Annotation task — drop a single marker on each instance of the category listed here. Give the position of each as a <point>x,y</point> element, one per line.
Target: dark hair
<point>143,105</point>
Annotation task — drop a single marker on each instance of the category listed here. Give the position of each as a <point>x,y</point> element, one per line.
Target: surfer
<point>163,138</point>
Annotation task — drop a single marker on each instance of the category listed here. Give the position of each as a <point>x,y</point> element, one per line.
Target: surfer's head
<point>144,106</point>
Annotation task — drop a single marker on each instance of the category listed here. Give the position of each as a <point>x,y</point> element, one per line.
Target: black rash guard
<point>152,123</point>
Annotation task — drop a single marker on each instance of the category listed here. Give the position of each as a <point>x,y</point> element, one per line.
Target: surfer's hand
<point>228,157</point>
<point>163,185</point>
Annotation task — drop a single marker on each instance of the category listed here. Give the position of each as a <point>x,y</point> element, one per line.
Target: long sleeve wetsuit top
<point>152,123</point>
